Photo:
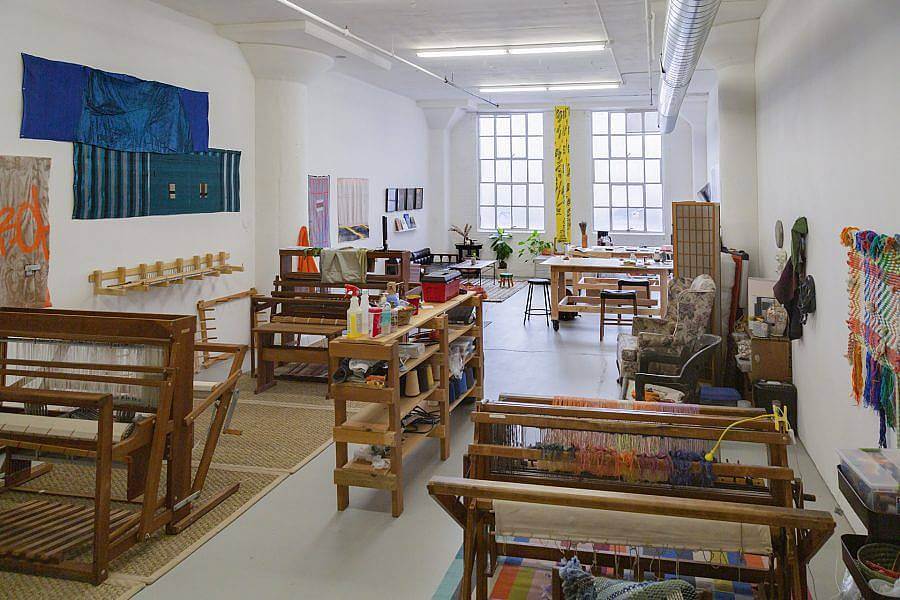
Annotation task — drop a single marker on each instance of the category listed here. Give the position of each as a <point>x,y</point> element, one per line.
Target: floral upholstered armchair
<point>675,334</point>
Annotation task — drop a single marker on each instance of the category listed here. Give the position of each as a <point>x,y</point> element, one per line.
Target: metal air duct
<point>688,23</point>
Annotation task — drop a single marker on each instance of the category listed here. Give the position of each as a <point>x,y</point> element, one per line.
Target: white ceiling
<point>406,26</point>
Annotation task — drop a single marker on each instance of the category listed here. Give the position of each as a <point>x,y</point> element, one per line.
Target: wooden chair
<point>138,367</point>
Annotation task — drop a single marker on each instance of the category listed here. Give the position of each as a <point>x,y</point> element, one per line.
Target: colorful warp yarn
<point>665,407</point>
<point>873,346</point>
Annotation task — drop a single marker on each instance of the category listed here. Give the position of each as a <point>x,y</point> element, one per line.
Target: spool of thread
<point>422,375</point>
<point>429,375</point>
<point>411,385</point>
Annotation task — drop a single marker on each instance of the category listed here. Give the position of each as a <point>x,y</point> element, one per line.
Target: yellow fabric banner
<point>563,174</point>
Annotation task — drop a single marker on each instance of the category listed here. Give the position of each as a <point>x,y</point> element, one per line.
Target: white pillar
<point>441,117</point>
<point>282,74</point>
<point>732,51</point>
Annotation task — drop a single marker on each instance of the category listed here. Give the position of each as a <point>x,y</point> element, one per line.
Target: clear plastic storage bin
<point>875,475</point>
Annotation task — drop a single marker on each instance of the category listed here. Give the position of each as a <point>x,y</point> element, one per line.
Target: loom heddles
<point>59,351</point>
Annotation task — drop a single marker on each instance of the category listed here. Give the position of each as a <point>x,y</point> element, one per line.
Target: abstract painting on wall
<point>352,209</point>
<point>24,231</point>
<point>319,196</point>
<point>113,184</point>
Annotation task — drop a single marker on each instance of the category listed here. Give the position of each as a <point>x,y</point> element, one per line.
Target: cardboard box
<point>770,358</point>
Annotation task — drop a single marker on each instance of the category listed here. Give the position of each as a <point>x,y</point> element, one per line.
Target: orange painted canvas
<point>24,231</point>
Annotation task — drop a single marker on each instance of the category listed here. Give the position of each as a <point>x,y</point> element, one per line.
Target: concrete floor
<point>295,544</point>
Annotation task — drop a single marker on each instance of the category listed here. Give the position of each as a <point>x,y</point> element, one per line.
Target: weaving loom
<point>650,449</point>
<point>109,388</point>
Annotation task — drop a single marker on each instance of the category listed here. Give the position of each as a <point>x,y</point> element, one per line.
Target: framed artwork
<point>318,200</point>
<point>352,209</point>
<point>410,198</point>
<point>390,200</point>
<point>401,199</point>
<point>420,198</point>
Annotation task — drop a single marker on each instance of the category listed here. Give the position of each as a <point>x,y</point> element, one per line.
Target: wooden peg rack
<point>161,274</point>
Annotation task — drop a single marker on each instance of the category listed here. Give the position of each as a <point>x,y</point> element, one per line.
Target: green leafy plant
<point>498,244</point>
<point>534,245</point>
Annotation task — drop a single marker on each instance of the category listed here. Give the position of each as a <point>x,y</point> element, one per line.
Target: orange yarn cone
<point>305,264</point>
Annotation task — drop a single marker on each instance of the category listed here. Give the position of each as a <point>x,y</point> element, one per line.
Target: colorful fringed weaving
<point>873,346</point>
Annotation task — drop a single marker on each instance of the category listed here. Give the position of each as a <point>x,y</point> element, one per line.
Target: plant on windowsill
<point>534,246</point>
<point>498,244</point>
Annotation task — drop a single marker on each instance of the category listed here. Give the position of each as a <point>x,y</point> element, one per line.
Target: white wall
<point>828,144</point>
<point>358,130</point>
<point>677,182</point>
<point>146,40</point>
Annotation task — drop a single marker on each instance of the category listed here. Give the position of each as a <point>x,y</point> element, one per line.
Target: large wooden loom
<point>134,373</point>
<point>768,490</point>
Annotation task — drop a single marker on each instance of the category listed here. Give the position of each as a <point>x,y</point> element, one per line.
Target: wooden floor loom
<point>524,443</point>
<point>109,388</point>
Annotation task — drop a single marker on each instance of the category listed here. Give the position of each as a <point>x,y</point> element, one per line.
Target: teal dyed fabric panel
<point>113,184</point>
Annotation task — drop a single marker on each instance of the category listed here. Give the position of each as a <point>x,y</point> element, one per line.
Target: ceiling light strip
<point>470,51</point>
<point>550,87</point>
<point>347,33</point>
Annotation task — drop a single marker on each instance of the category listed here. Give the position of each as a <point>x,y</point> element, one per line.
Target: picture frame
<point>410,198</point>
<point>390,200</point>
<point>420,198</point>
<point>401,199</point>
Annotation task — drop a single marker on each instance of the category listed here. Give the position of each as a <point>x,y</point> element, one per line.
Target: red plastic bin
<point>440,286</point>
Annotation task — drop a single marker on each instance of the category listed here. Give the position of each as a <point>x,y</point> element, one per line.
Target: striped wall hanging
<point>113,184</point>
<point>563,172</point>
<point>873,346</point>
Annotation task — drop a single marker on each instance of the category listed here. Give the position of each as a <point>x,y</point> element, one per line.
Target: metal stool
<point>506,280</point>
<point>529,310</point>
<point>619,296</point>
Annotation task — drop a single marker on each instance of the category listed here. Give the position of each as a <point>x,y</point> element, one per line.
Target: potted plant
<point>498,244</point>
<point>534,246</point>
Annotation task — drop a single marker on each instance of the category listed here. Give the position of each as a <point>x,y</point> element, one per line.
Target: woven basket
<point>884,555</point>
<point>404,315</point>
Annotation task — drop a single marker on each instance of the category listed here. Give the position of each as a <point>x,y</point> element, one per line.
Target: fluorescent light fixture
<point>501,50</point>
<point>551,87</point>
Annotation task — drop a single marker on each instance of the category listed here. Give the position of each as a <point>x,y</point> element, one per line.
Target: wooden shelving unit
<point>379,423</point>
<point>161,274</point>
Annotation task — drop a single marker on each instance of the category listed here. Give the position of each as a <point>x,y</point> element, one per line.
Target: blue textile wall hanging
<point>73,103</point>
<point>112,184</point>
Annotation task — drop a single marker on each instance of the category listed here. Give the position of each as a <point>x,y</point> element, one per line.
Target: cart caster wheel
<point>555,325</point>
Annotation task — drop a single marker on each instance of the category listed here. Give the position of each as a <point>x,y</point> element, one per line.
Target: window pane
<point>518,147</point>
<point>503,147</point>
<point>601,171</point>
<point>487,170</point>
<point>654,220</point>
<point>487,218</point>
<point>635,122</point>
<point>504,217</point>
<point>519,171</point>
<point>619,196</point>
<point>654,195</point>
<point>518,124</point>
<point>520,217</point>
<point>536,194</point>
<point>651,121</point>
<point>504,195</point>
<point>536,218</point>
<point>601,219</point>
<point>635,171</point>
<point>617,146</point>
<point>620,219</point>
<point>601,194</point>
<point>486,147</point>
<point>519,195</point>
<point>654,146</point>
<point>600,146</point>
<point>617,123</point>
<point>617,171</point>
<point>636,219</point>
<point>486,196</point>
<point>600,123</point>
<point>535,171</point>
<point>652,167</point>
<point>536,147</point>
<point>535,123</point>
<point>486,125</point>
<point>502,126</point>
<point>504,170</point>
<point>635,146</point>
<point>636,195</point>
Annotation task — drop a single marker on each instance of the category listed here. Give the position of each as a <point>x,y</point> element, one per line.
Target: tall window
<point>627,153</point>
<point>511,176</point>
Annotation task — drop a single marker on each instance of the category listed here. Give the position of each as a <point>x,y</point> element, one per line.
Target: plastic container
<point>875,476</point>
<point>374,321</point>
<point>440,286</point>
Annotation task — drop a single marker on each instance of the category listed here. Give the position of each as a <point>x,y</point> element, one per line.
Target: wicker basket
<point>885,555</point>
<point>404,314</point>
